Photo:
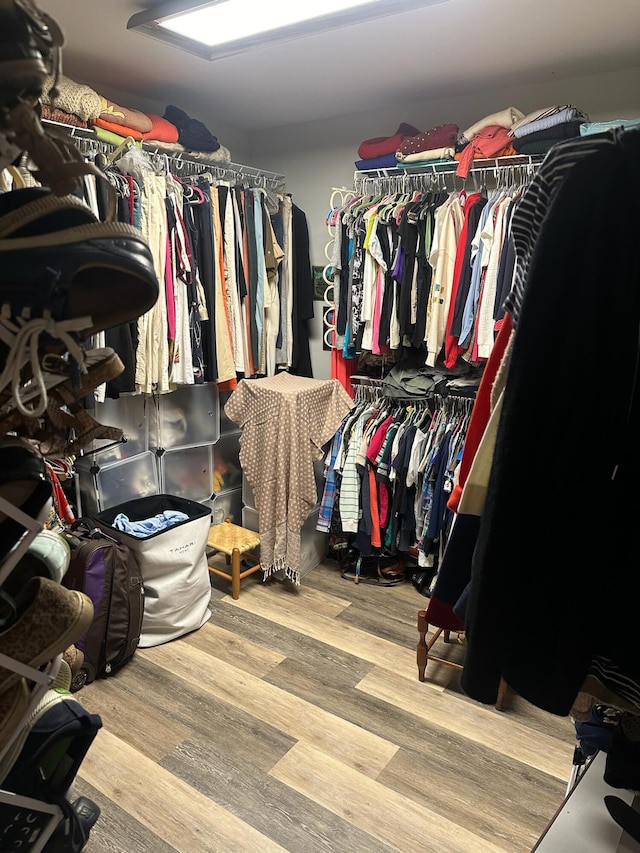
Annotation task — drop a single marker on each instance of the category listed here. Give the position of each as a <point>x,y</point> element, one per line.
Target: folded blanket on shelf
<point>74,98</point>
<point>381,145</point>
<point>113,127</point>
<point>192,133</point>
<point>507,151</point>
<point>566,130</point>
<point>549,121</point>
<point>444,136</point>
<point>128,118</point>
<point>53,114</point>
<point>161,130</point>
<point>111,138</point>
<point>590,127</point>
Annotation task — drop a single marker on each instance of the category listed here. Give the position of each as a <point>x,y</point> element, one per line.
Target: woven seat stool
<point>233,541</point>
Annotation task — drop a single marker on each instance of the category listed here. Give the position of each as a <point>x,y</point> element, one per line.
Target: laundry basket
<point>173,565</point>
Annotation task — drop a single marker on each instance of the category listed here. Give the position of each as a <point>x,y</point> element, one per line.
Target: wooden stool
<point>425,654</point>
<point>233,541</point>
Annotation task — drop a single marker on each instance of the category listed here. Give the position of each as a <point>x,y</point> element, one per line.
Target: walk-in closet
<point>319,397</point>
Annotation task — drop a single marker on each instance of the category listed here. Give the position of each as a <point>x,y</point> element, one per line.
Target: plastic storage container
<point>227,473</point>
<point>131,415</point>
<point>187,417</point>
<point>226,505</point>
<point>187,472</point>
<point>103,486</point>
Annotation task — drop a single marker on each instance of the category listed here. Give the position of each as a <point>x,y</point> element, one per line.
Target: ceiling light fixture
<point>225,27</point>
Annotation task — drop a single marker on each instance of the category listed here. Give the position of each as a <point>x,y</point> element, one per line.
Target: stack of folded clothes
<point>488,137</point>
<point>537,132</point>
<point>79,105</point>
<point>433,146</point>
<point>380,152</point>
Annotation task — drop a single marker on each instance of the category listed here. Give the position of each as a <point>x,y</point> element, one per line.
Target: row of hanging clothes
<point>418,264</point>
<point>233,263</point>
<point>389,470</point>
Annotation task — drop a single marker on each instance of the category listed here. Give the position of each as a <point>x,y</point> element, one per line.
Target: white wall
<point>317,156</point>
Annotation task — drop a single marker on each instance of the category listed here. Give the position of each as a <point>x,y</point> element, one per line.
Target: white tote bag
<point>173,565</point>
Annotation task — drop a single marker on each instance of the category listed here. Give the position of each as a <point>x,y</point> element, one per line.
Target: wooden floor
<point>294,721</point>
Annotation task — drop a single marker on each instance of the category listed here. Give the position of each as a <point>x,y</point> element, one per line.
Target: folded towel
<point>75,98</point>
<point>54,114</point>
<point>505,118</point>
<point>421,156</point>
<point>120,129</point>
<point>111,138</point>
<point>192,133</point>
<point>161,130</point>
<point>116,114</point>
<point>385,161</point>
<point>423,164</point>
<point>541,113</point>
<point>566,130</point>
<point>591,127</point>
<point>381,145</point>
<point>444,136</point>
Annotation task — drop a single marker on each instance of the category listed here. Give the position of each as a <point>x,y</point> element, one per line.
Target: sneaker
<point>20,724</point>
<point>47,556</point>
<point>50,618</point>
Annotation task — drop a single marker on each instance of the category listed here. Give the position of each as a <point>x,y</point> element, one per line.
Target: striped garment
<point>532,209</point>
<point>329,493</point>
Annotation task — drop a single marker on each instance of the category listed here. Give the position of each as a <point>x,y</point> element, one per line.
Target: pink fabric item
<point>381,145</point>
<point>486,143</point>
<point>444,136</point>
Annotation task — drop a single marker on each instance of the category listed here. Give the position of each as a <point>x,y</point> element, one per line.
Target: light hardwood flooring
<point>294,721</point>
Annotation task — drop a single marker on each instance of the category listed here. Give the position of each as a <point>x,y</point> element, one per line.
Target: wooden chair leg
<point>235,574</point>
<point>502,693</point>
<point>421,648</point>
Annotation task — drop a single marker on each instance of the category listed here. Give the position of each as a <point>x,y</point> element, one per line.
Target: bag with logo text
<point>172,561</point>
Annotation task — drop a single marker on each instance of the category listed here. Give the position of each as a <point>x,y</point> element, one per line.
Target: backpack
<point>108,573</point>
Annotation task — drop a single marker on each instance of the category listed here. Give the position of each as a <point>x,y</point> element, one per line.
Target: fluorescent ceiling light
<point>225,27</point>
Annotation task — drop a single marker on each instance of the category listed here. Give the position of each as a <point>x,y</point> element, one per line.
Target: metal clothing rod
<point>428,176</point>
<point>223,171</point>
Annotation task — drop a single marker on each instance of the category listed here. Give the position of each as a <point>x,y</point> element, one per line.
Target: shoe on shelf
<point>60,433</point>
<point>30,42</point>
<point>49,618</point>
<point>24,486</point>
<point>19,725</point>
<point>47,556</point>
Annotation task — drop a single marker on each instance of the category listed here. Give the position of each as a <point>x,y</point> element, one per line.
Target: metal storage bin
<point>105,486</point>
<point>187,417</point>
